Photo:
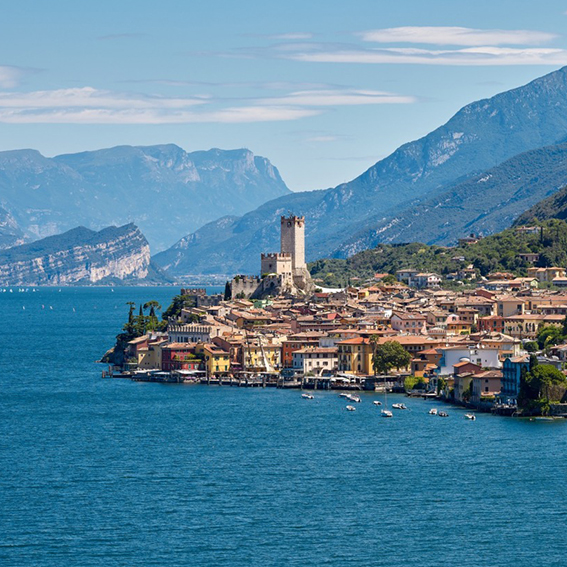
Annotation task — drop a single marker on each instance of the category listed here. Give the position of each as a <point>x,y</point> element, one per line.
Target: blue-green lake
<point>100,472</point>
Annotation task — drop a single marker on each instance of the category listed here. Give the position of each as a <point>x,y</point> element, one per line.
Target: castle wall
<point>276,264</point>
<point>244,286</point>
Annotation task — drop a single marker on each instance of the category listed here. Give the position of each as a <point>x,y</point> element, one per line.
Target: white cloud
<point>292,36</point>
<point>440,35</point>
<point>322,139</point>
<point>10,76</point>
<point>88,105</point>
<point>88,97</point>
<point>348,97</point>
<point>474,56</point>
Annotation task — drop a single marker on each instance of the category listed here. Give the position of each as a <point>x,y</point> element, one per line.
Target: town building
<point>318,361</point>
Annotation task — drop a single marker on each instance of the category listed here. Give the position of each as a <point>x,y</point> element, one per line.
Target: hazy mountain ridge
<point>165,190</point>
<point>480,136</point>
<point>80,255</point>
<point>10,232</point>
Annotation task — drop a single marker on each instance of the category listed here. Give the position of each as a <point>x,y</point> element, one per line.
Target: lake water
<point>110,472</point>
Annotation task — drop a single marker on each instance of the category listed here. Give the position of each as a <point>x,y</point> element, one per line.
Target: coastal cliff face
<point>78,256</point>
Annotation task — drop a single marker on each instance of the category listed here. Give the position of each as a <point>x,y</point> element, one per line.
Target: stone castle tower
<point>283,272</point>
<point>293,241</point>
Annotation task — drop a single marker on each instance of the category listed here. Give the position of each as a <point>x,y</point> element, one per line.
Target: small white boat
<point>387,413</point>
<point>352,398</point>
<point>343,395</point>
<point>433,411</point>
<point>351,408</point>
<point>307,396</point>
<point>377,403</point>
<point>470,416</point>
<point>399,406</point>
<point>443,414</point>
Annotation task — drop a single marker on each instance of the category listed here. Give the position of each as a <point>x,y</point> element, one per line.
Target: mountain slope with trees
<point>480,136</point>
<point>499,252</point>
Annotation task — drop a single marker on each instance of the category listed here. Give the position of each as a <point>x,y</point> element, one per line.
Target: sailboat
<point>386,412</point>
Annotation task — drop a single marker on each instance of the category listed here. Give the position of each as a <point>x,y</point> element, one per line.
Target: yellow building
<point>253,356</point>
<point>149,358</point>
<point>355,356</point>
<point>216,359</point>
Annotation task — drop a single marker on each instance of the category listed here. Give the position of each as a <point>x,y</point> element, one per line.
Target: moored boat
<point>351,408</point>
<point>470,416</point>
<point>433,411</point>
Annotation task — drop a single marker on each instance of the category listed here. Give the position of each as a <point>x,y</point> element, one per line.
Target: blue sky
<point>323,89</point>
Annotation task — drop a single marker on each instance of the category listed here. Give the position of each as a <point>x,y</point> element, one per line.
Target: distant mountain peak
<point>167,190</point>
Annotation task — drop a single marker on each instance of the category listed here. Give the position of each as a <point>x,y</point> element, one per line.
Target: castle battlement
<point>275,255</point>
<point>292,220</point>
<point>250,279</point>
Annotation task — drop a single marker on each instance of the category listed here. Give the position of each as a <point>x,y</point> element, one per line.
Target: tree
<point>152,322</point>
<point>549,335</point>
<point>531,346</point>
<point>540,386</point>
<point>177,304</point>
<point>389,279</point>
<point>227,291</point>
<point>389,355</point>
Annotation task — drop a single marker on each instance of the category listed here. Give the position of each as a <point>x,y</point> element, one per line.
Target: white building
<point>315,360</point>
<point>484,357</point>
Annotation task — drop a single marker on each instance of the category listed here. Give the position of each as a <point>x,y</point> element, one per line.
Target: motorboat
<point>352,398</point>
<point>344,395</point>
<point>387,413</point>
<point>443,414</point>
<point>470,416</point>
<point>377,403</point>
<point>308,396</point>
<point>433,411</point>
<point>399,406</point>
<point>351,408</point>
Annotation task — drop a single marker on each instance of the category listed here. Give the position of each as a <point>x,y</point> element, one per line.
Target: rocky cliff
<point>79,256</point>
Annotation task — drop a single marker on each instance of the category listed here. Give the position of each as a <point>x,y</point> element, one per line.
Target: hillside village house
<point>425,280</point>
<point>544,275</point>
<point>412,323</point>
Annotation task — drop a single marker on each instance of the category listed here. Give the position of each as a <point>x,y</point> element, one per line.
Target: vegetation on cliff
<point>541,386</point>
<point>499,252</point>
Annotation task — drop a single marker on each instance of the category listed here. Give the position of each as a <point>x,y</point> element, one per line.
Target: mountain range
<point>404,185</point>
<point>168,192</point>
